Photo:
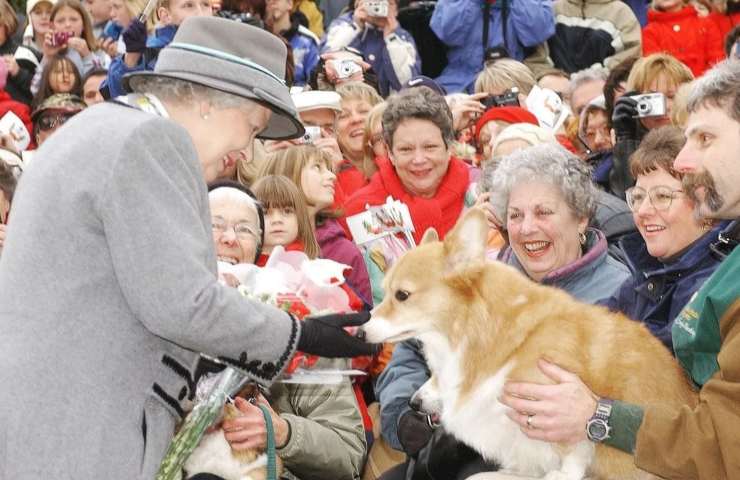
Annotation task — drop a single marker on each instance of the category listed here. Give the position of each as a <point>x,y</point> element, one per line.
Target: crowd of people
<point>148,147</point>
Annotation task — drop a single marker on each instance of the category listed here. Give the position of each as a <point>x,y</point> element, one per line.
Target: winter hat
<point>317,100</point>
<point>424,81</point>
<point>598,103</point>
<point>235,58</point>
<point>526,132</point>
<point>31,4</point>
<point>505,114</point>
<point>59,102</point>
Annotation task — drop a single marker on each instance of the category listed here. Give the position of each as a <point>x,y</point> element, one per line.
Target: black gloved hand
<point>414,431</point>
<point>624,118</point>
<point>134,37</point>
<point>325,337</point>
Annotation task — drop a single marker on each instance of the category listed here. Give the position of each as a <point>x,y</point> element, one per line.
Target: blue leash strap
<point>270,451</point>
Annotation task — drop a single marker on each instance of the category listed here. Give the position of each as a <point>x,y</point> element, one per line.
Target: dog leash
<point>270,451</point>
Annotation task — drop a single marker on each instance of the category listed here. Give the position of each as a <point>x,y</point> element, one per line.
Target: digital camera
<point>650,105</point>
<point>346,68</point>
<point>312,134</point>
<point>509,98</point>
<point>377,8</point>
<point>60,38</point>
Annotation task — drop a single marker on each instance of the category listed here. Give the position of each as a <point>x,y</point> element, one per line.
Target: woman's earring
<point>204,116</point>
<point>582,238</point>
<point>707,225</point>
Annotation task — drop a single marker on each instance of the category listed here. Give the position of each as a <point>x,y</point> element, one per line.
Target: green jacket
<point>327,439</point>
<point>700,443</point>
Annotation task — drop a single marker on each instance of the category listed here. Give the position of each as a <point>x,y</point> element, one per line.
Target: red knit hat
<point>505,114</point>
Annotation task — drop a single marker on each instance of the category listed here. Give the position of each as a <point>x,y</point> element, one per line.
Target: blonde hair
<point>647,69</point>
<point>279,191</point>
<point>247,169</point>
<point>680,111</point>
<point>359,91</point>
<point>374,118</point>
<point>291,161</point>
<point>505,73</point>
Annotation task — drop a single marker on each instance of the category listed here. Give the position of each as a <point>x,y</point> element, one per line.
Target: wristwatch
<point>598,429</point>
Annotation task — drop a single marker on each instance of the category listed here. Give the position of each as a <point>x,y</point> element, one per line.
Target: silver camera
<point>650,105</point>
<point>377,8</point>
<point>346,68</point>
<point>312,134</point>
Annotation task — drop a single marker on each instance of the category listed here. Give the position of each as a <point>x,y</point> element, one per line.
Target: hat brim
<point>281,126</point>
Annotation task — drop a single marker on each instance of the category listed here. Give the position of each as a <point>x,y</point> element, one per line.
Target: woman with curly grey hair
<point>545,198</point>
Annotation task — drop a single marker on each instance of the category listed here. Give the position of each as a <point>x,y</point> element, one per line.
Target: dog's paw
<point>559,475</point>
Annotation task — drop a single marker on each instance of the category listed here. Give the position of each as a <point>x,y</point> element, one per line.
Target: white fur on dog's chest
<point>480,420</point>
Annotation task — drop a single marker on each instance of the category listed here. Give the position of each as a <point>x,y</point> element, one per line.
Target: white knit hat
<point>526,132</point>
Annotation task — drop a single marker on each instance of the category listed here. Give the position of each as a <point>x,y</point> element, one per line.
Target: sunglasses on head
<point>48,122</point>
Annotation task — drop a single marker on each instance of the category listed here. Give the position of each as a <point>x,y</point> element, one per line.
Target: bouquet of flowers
<point>289,281</point>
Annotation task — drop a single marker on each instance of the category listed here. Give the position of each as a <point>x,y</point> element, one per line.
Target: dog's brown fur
<point>492,314</point>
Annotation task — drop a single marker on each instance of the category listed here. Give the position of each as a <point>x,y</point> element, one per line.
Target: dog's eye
<point>402,295</point>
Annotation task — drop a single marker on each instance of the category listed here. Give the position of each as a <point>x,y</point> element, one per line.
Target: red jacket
<point>694,40</point>
<point>440,212</point>
<point>7,104</point>
<point>725,23</point>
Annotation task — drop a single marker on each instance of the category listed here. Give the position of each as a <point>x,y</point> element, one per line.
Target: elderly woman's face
<point>351,127</point>
<point>543,231</point>
<point>663,214</point>
<point>420,156</point>
<point>235,230</point>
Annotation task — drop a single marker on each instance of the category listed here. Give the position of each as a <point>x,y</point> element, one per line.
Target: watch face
<point>597,430</point>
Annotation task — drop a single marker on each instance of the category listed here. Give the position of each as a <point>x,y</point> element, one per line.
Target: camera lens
<point>643,107</point>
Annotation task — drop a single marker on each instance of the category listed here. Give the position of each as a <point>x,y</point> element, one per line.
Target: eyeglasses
<point>47,122</point>
<point>660,197</point>
<point>243,231</point>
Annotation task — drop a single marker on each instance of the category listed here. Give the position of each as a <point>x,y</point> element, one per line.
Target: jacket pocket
<point>158,428</point>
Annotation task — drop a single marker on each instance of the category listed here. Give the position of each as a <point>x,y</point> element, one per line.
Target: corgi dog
<point>485,323</point>
<point>214,454</point>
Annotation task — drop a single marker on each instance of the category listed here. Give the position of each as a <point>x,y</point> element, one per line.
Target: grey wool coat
<point>108,289</point>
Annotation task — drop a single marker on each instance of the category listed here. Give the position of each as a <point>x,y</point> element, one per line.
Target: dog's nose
<point>415,402</point>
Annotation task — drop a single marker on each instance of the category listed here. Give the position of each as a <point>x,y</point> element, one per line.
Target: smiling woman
<point>670,257</point>
<point>545,197</point>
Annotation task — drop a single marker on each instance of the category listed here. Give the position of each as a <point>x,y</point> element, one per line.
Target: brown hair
<point>658,150</point>
<point>291,162</point>
<point>278,191</point>
<point>8,19</point>
<point>87,30</point>
<point>58,62</point>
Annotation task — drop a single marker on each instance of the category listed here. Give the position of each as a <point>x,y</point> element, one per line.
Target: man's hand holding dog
<point>249,431</point>
<point>551,413</point>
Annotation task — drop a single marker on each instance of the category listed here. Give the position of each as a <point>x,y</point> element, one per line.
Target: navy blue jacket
<point>656,292</point>
<point>118,68</point>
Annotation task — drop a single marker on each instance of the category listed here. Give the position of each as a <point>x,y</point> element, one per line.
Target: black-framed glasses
<point>242,230</point>
<point>661,197</point>
<point>47,122</point>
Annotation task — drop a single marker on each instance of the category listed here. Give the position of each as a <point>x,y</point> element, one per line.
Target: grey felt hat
<point>235,58</point>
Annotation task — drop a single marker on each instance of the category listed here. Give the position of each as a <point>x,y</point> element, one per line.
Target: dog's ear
<point>429,236</point>
<point>465,245</point>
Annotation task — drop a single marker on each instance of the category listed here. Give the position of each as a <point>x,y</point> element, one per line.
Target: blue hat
<point>424,81</point>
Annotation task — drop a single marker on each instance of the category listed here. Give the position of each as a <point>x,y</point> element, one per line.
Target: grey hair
<point>719,87</point>
<point>548,163</point>
<point>421,103</point>
<point>183,91</point>
<point>593,74</point>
